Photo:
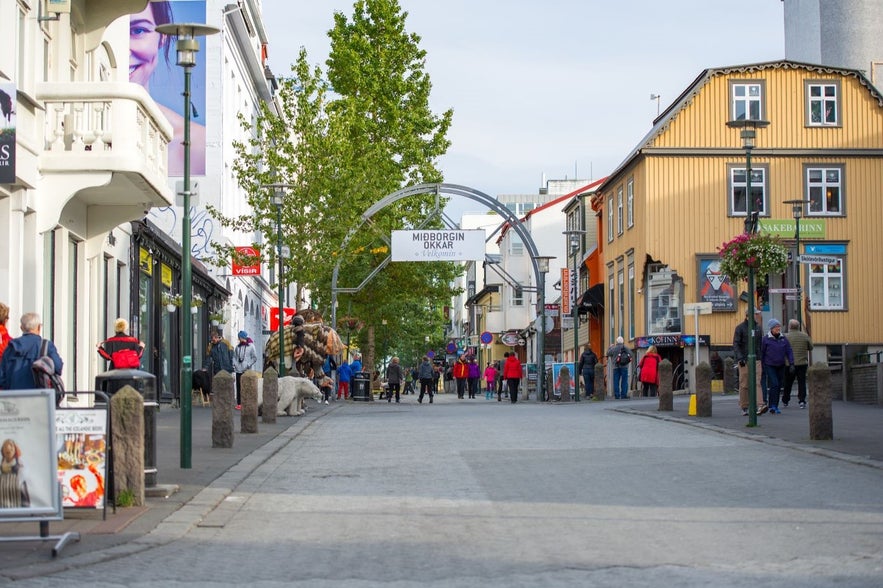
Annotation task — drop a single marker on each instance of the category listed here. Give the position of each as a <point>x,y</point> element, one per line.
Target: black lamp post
<point>187,47</point>
<point>573,237</point>
<point>748,134</point>
<point>797,211</point>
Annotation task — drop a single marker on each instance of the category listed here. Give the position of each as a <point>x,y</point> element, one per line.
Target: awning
<point>592,300</point>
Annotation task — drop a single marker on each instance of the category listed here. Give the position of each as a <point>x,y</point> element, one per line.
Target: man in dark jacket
<point>15,367</point>
<point>586,367</point>
<point>425,372</point>
<point>220,355</point>
<point>775,355</point>
<point>740,355</point>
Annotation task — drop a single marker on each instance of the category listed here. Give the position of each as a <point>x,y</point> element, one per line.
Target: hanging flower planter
<point>761,252</point>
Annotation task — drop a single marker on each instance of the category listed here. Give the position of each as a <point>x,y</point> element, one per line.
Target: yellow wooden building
<point>665,211</point>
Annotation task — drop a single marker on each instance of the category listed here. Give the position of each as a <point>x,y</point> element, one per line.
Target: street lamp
<point>278,198</point>
<point>797,211</point>
<point>187,47</point>
<point>748,134</point>
<point>574,238</point>
<point>543,267</point>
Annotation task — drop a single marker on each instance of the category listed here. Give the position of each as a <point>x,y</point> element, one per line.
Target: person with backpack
<point>22,352</point>
<point>122,350</point>
<point>586,369</point>
<point>620,357</point>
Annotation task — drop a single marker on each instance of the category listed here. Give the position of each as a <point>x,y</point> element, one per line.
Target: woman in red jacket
<point>512,373</point>
<point>648,372</point>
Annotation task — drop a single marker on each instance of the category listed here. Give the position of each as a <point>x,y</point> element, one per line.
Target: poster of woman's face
<point>152,64</point>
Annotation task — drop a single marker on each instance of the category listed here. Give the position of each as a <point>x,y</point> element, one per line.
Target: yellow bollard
<point>692,410</point>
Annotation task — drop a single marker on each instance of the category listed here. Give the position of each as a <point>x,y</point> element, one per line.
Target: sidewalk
<point>217,469</point>
<point>858,428</point>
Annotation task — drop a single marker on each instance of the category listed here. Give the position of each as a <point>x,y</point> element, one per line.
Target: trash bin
<point>111,382</point>
<point>361,386</point>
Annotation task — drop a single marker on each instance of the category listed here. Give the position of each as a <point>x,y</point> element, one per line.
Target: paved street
<point>469,493</point>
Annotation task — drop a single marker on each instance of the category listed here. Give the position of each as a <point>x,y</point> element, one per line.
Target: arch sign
<point>430,245</point>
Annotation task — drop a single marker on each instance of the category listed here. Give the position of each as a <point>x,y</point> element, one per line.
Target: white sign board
<point>441,245</point>
<point>819,259</point>
<point>697,308</point>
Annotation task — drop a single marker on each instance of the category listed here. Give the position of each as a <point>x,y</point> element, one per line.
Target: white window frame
<point>612,309</point>
<point>822,99</point>
<point>610,219</point>
<point>747,99</point>
<point>516,297</point>
<point>632,309</point>
<point>759,181</point>
<point>820,204</point>
<point>827,285</point>
<point>619,211</point>
<point>620,280</point>
<point>516,246</point>
<point>630,202</point>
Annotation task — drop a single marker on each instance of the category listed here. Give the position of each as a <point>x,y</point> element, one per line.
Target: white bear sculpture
<point>292,393</point>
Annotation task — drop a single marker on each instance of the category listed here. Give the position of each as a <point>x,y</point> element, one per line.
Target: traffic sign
<point>819,259</point>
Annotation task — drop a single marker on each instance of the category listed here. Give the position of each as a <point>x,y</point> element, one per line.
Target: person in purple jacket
<point>473,376</point>
<point>775,355</point>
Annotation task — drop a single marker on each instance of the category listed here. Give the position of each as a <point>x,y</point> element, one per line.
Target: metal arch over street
<point>471,194</point>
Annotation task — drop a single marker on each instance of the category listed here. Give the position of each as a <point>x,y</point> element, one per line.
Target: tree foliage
<point>343,138</point>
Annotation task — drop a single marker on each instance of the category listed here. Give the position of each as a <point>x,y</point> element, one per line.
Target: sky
<point>555,89</point>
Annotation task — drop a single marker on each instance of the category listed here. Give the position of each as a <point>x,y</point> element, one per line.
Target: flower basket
<point>761,252</point>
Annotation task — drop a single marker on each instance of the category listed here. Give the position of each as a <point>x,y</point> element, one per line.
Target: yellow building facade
<point>681,194</point>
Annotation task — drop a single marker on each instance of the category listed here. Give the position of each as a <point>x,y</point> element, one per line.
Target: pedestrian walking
<point>801,345</point>
<point>512,373</point>
<point>490,380</point>
<point>473,376</point>
<point>425,372</point>
<point>621,358</point>
<point>461,375</point>
<point>499,366</point>
<point>648,372</point>
<point>740,355</point>
<point>21,352</point>
<point>394,376</point>
<point>586,367</point>
<point>5,337</point>
<point>123,351</point>
<point>776,356</point>
<point>219,356</point>
<point>244,359</point>
<point>344,375</point>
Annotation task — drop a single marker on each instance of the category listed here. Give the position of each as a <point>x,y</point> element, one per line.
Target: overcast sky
<point>554,87</point>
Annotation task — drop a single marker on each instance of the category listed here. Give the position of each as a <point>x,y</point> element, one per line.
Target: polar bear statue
<point>292,393</point>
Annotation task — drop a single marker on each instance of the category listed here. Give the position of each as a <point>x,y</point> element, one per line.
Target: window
<point>826,286</point>
<point>738,186</point>
<point>517,297</point>
<point>619,211</point>
<point>746,100</point>
<point>610,219</point>
<point>631,299</point>
<point>630,202</point>
<point>621,306</point>
<point>824,190</point>
<point>516,247</point>
<point>822,104</point>
<point>611,322</point>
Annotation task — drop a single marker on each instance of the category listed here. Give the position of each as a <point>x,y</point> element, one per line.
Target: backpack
<point>43,369</point>
<point>624,357</point>
<point>125,359</point>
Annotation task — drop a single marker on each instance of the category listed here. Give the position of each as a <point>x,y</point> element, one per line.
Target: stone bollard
<point>248,417</point>
<point>666,397</point>
<point>600,387</point>
<point>564,382</point>
<point>731,376</point>
<point>270,396</point>
<point>222,410</point>
<point>821,419</point>
<point>703,389</point>
<point>127,440</point>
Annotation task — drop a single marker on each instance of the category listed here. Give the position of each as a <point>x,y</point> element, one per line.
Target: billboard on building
<point>152,64</point>
<point>7,132</point>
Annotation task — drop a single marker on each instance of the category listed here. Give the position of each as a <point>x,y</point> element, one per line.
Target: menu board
<point>81,443</point>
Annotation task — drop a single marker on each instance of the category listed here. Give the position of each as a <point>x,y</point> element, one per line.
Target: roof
<point>671,112</point>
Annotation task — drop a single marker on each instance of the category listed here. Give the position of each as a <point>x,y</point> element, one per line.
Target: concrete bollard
<point>564,383</point>
<point>248,417</point>
<point>821,419</point>
<point>666,397</point>
<point>222,410</point>
<point>270,396</point>
<point>600,386</point>
<point>731,376</point>
<point>703,389</point>
<point>127,440</point>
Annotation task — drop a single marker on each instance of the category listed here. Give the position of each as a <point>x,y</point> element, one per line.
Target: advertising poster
<point>28,486</point>
<point>715,287</point>
<point>7,132</point>
<point>556,376</point>
<point>152,64</point>
<point>81,442</point>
